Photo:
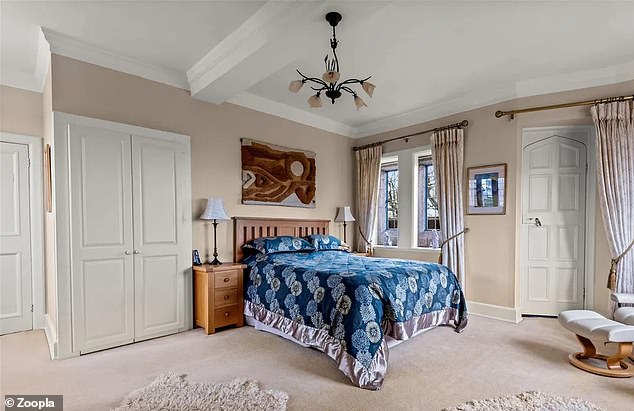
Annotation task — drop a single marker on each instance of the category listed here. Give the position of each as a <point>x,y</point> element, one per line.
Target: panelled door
<point>553,229</point>
<point>158,210</point>
<point>102,246</point>
<point>15,239</point>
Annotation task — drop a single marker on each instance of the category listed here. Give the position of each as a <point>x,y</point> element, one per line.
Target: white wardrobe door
<point>158,179</point>
<point>15,239</point>
<point>101,227</point>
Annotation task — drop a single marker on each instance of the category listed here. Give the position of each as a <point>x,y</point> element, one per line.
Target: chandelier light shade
<point>329,83</point>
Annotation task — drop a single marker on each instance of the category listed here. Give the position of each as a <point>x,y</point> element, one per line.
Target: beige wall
<point>492,245</point>
<point>49,218</point>
<point>20,111</point>
<point>215,131</point>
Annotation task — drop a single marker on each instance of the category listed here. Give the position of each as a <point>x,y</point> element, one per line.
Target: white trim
<point>62,121</point>
<point>264,105</point>
<point>532,134</point>
<point>37,222</point>
<point>51,336</point>
<point>70,47</point>
<point>496,312</point>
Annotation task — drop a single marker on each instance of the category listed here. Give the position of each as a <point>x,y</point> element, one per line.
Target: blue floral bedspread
<point>354,299</point>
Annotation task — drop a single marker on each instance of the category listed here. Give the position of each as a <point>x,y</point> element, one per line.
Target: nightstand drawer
<point>228,296</point>
<point>227,315</point>
<point>226,279</point>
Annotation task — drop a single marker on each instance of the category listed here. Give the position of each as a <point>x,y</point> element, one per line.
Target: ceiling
<point>428,59</point>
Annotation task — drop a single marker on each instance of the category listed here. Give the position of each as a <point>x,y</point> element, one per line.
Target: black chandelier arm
<point>349,90</point>
<point>313,79</point>
<point>354,81</point>
<point>319,89</point>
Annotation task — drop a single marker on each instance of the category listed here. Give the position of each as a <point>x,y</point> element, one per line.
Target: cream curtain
<point>614,124</point>
<point>368,170</point>
<point>447,149</point>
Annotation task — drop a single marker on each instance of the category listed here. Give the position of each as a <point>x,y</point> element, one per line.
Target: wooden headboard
<point>246,229</point>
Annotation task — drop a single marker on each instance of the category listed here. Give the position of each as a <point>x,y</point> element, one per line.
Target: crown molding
<point>32,81</point>
<point>70,47</point>
<point>264,105</point>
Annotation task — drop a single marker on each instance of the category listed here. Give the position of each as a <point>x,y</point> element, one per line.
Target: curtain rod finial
<point>499,113</point>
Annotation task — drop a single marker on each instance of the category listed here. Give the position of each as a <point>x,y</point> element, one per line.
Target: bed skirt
<point>369,378</point>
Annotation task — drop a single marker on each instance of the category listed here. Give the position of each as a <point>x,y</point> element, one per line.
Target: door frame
<point>36,211</point>
<point>585,135</point>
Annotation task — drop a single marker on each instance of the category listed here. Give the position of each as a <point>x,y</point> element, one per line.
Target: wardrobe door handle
<point>136,252</point>
<point>126,252</point>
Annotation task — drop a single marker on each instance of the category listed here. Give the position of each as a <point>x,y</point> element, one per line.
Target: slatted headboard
<point>246,229</point>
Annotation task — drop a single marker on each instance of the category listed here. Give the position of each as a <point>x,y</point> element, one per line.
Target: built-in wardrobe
<point>123,228</point>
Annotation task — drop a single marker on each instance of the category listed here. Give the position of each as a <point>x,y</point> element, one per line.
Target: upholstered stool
<point>589,325</point>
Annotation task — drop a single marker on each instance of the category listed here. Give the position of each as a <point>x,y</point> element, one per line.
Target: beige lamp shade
<point>295,85</point>
<point>215,210</point>
<point>358,102</point>
<point>314,101</point>
<point>368,87</point>
<point>344,215</point>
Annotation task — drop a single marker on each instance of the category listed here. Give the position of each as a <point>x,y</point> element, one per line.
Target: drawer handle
<point>226,280</point>
<point>227,296</point>
<point>227,314</point>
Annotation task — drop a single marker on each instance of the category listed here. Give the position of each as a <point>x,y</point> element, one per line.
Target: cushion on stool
<point>625,315</point>
<point>594,326</point>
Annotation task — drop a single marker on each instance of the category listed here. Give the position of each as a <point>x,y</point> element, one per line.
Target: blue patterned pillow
<point>279,244</point>
<point>327,242</point>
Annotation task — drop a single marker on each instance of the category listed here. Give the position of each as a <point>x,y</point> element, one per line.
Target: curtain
<point>614,123</point>
<point>368,171</point>
<point>447,148</point>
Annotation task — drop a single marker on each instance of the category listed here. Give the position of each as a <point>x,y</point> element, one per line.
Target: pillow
<point>327,242</point>
<point>279,244</point>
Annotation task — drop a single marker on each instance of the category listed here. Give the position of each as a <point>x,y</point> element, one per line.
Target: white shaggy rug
<point>528,401</point>
<point>172,392</point>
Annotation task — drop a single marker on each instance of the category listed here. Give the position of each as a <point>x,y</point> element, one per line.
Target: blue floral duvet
<point>344,304</point>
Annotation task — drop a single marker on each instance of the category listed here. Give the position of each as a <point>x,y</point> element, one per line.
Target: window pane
<point>428,215</point>
<point>388,205</point>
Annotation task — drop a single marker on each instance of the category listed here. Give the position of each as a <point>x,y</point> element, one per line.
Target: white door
<point>553,229</point>
<point>101,227</point>
<point>15,239</point>
<point>158,179</point>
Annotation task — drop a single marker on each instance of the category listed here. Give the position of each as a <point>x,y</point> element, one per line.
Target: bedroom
<point>205,76</point>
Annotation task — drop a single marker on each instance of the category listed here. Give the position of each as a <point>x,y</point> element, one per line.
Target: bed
<point>345,305</point>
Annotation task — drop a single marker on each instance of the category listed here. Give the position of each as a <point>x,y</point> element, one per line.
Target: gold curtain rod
<point>512,113</point>
<point>463,123</point>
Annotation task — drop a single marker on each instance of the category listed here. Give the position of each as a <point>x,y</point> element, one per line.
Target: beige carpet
<point>171,391</point>
<point>439,369</point>
<point>528,401</point>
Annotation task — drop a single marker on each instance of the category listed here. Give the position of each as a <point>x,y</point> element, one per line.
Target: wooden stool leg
<point>589,350</point>
<point>624,350</point>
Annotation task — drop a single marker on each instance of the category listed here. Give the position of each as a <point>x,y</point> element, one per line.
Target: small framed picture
<point>487,189</point>
<point>196,257</point>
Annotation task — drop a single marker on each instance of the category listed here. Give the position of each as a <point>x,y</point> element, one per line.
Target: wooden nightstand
<point>218,296</point>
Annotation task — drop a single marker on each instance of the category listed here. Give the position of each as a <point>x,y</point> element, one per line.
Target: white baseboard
<point>496,312</point>
<point>51,336</point>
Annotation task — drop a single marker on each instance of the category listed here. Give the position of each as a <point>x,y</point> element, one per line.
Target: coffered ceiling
<point>428,58</point>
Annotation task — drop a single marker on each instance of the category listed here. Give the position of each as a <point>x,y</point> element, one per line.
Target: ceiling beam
<point>272,38</point>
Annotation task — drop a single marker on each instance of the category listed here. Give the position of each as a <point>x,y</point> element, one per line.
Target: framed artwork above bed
<point>487,189</point>
<point>274,175</point>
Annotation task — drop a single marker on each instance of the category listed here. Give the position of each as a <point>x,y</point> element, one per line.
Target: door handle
<point>137,252</point>
<point>537,222</point>
<point>126,252</point>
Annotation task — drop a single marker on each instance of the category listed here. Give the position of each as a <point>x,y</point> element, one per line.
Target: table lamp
<point>215,211</point>
<point>343,216</point>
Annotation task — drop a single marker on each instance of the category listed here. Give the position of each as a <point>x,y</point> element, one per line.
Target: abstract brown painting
<point>274,175</point>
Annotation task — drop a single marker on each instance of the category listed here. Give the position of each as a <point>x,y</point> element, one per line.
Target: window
<point>388,205</point>
<point>428,216</point>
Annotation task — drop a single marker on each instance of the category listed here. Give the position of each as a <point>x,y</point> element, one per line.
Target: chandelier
<point>329,82</point>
